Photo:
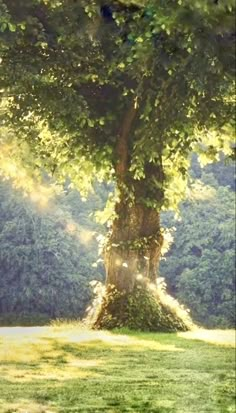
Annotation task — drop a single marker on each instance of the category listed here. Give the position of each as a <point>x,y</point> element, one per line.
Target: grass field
<point>65,369</point>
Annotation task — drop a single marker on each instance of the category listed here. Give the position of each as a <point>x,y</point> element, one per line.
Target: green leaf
<point>3,27</point>
<point>12,27</point>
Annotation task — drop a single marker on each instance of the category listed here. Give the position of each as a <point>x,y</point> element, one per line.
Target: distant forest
<point>48,257</point>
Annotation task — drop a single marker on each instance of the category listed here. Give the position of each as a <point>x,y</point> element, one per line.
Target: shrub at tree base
<point>142,309</point>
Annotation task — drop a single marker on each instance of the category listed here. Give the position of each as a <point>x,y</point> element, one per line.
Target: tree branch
<point>122,149</point>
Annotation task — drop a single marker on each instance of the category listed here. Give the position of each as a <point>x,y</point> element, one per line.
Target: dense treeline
<point>199,267</point>
<point>49,255</point>
<point>46,257</point>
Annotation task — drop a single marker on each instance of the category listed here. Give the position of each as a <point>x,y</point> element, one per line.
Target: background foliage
<point>46,257</point>
<point>49,254</point>
<point>200,266</point>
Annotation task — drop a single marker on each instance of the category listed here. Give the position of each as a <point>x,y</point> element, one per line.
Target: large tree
<point>123,91</point>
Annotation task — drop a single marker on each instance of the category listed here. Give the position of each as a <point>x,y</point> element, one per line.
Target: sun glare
<point>40,196</point>
<point>12,169</point>
<point>85,236</point>
<point>71,227</point>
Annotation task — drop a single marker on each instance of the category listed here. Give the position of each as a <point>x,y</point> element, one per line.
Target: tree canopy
<point>118,89</point>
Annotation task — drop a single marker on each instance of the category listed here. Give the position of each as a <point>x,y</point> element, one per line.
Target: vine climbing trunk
<point>131,258</point>
<point>134,247</point>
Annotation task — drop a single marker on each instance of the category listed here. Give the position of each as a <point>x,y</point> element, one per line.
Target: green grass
<point>68,369</point>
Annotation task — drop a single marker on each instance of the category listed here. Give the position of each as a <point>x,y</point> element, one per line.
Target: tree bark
<point>134,247</point>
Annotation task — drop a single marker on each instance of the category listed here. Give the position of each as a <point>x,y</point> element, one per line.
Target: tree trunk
<point>134,247</point>
<point>131,258</point>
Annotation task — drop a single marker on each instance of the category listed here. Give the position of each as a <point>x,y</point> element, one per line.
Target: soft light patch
<point>90,337</point>
<point>219,337</point>
<point>12,168</point>
<point>26,406</point>
<point>47,371</point>
<point>86,236</point>
<point>17,340</point>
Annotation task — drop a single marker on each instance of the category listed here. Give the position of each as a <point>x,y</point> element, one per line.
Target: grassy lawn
<point>65,369</point>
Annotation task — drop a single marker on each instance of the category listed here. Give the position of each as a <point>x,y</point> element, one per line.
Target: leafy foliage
<point>70,71</point>
<point>28,232</point>
<point>222,169</point>
<point>142,309</point>
<point>200,266</point>
<point>46,259</point>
